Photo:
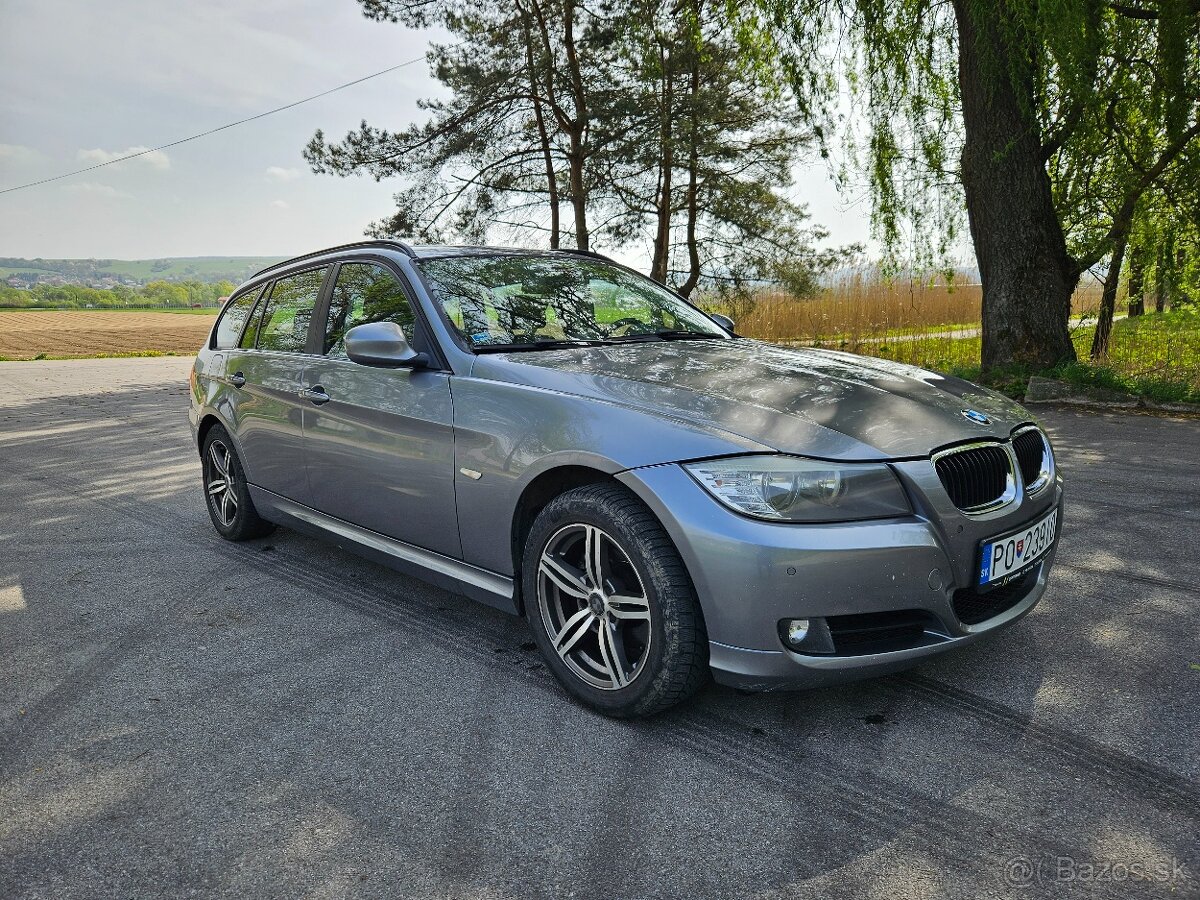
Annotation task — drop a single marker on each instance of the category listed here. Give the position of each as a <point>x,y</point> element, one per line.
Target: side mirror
<point>724,321</point>
<point>382,344</point>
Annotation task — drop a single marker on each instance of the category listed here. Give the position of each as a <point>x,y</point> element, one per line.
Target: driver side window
<point>362,293</point>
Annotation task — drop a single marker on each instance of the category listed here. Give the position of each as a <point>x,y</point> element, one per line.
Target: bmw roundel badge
<point>975,416</point>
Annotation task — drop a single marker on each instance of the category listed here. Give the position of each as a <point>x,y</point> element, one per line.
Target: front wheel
<point>611,605</point>
<point>229,504</point>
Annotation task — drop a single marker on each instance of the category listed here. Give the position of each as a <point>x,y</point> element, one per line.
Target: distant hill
<point>138,271</point>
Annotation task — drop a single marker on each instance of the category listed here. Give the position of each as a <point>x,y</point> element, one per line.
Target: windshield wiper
<point>539,345</point>
<point>668,334</point>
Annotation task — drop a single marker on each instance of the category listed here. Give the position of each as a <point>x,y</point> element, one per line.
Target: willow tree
<point>1128,171</point>
<point>976,102</point>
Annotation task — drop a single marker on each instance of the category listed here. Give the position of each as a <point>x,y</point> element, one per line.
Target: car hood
<point>807,401</point>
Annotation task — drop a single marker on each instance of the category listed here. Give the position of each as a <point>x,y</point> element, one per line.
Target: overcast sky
<point>85,81</point>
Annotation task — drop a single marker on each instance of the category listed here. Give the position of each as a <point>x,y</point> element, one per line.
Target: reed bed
<point>935,325</point>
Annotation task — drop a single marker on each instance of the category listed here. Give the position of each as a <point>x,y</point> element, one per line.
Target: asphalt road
<point>180,716</point>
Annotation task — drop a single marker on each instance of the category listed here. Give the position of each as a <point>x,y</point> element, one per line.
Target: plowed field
<point>24,335</point>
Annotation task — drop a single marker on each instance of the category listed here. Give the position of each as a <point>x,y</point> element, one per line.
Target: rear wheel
<point>611,605</point>
<point>228,498</point>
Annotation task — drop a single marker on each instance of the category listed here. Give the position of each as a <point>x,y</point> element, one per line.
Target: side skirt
<point>443,571</point>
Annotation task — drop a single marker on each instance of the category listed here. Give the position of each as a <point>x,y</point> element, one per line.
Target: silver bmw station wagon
<point>557,436</point>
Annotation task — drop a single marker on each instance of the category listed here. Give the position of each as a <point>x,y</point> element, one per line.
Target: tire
<point>225,492</point>
<point>646,618</point>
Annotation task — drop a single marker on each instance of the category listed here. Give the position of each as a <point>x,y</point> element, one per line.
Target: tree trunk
<point>1176,294</point>
<point>1108,300</point>
<point>577,132</point>
<point>1137,281</point>
<point>543,135</point>
<point>1028,276</point>
<point>578,191</point>
<point>1160,279</point>
<point>662,233</point>
<point>693,189</point>
<point>551,183</point>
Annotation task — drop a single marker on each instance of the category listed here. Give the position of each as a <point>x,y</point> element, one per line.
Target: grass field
<point>201,268</point>
<point>937,327</point>
<point>198,268</point>
<point>68,333</point>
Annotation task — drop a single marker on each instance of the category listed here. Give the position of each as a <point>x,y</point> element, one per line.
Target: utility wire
<point>194,137</point>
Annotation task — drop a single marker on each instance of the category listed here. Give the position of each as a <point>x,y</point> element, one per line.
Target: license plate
<point>1006,557</point>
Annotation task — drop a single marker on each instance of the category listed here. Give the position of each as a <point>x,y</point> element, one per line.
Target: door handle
<point>237,379</point>
<point>316,394</point>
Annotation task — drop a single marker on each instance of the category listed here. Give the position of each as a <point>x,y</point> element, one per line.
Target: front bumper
<point>749,575</point>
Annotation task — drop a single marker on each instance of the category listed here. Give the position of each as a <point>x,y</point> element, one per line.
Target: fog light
<point>796,631</point>
<point>809,636</point>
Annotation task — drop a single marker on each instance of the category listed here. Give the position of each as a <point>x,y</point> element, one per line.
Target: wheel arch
<point>534,498</point>
<point>210,419</point>
<point>205,426</point>
<point>557,481</point>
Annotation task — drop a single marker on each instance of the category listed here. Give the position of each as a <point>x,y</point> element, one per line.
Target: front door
<point>381,448</point>
<point>267,371</point>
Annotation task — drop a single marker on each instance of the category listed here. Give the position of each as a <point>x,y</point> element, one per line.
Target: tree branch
<point>1123,218</point>
<point>1149,15</point>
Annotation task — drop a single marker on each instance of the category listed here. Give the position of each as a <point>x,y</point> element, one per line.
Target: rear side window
<point>288,312</point>
<point>250,335</point>
<point>233,319</point>
<point>364,293</point>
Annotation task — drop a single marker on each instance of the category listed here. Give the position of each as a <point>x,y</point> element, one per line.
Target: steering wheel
<point>629,322</point>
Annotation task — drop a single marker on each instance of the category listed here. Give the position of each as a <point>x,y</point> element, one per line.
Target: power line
<point>194,137</point>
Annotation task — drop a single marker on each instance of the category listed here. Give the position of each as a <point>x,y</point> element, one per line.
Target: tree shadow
<point>284,717</point>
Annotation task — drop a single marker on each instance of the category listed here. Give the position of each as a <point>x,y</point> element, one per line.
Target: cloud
<point>17,155</point>
<point>156,159</point>
<point>279,173</point>
<point>93,189</point>
<point>280,204</point>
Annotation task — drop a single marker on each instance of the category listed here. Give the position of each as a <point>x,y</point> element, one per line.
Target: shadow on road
<point>281,717</point>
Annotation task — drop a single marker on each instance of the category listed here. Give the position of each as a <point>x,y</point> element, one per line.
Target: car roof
<point>422,251</point>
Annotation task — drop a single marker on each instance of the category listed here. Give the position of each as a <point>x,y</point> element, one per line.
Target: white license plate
<point>1011,554</point>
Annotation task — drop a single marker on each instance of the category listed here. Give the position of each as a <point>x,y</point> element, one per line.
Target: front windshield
<point>524,301</point>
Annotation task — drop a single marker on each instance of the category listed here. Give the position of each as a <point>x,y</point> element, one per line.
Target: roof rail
<point>378,242</point>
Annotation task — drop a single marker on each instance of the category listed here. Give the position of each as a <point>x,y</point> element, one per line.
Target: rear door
<point>267,375</point>
<point>381,448</point>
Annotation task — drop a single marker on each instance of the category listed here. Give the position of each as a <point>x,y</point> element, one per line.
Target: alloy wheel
<point>594,606</point>
<point>219,482</point>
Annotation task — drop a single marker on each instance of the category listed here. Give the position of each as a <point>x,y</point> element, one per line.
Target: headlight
<point>791,489</point>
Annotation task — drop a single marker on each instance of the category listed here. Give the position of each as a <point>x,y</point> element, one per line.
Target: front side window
<point>288,311</point>
<point>365,292</point>
<point>234,319</point>
<point>520,301</point>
